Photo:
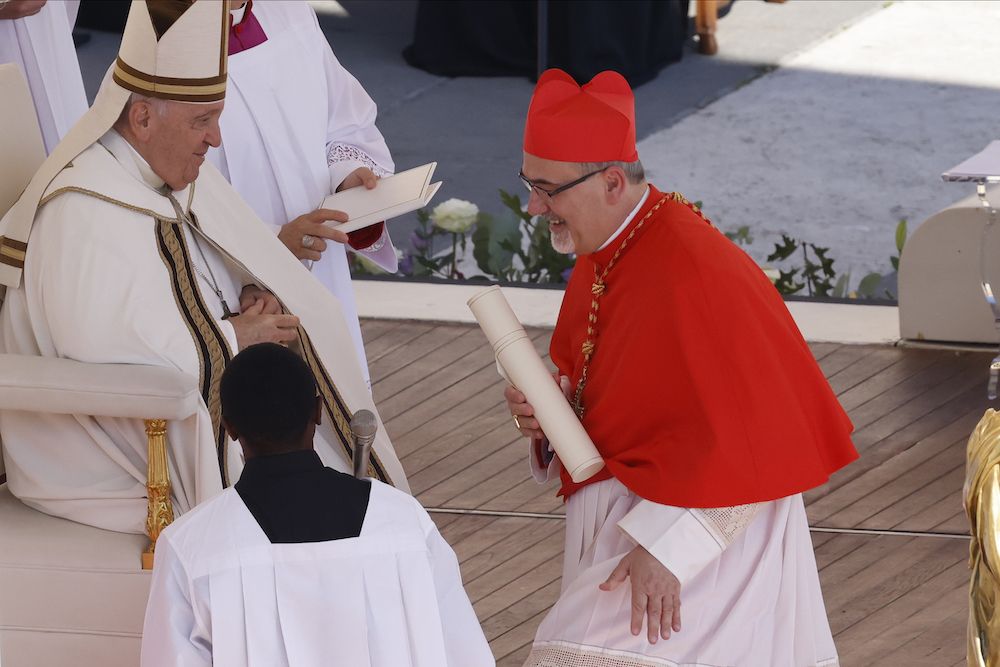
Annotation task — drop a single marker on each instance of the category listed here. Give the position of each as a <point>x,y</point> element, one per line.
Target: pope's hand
<point>306,235</point>
<point>252,294</point>
<point>254,326</point>
<point>524,414</point>
<point>656,593</point>
<point>360,176</point>
<point>17,9</point>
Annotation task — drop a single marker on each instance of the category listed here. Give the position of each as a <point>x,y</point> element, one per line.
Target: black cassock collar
<point>295,498</point>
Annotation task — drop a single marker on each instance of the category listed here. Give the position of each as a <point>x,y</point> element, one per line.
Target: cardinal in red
<point>693,381</point>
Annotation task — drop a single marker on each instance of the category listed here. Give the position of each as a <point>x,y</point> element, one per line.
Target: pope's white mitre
<point>171,49</point>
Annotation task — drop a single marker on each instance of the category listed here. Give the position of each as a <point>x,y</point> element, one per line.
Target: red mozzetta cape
<point>701,391</point>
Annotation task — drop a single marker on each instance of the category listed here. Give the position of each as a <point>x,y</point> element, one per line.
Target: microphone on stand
<point>363,427</point>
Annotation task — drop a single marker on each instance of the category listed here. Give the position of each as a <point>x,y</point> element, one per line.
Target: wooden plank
<point>489,535</point>
<point>452,454</point>
<point>417,348</point>
<point>871,475</point>
<point>920,367</point>
<point>820,350</point>
<point>520,496</point>
<point>482,481</point>
<point>918,612</point>
<point>510,600</point>
<point>941,646</point>
<point>908,563</point>
<point>492,485</point>
<point>394,338</point>
<point>461,526</point>
<point>372,329</point>
<point>900,430</point>
<point>944,492</point>
<point>446,398</point>
<point>517,657</point>
<point>956,523</point>
<point>927,386</point>
<point>514,641</point>
<point>532,556</point>
<point>422,376</point>
<point>843,357</point>
<point>862,512</point>
<point>536,602</point>
<point>877,360</point>
<point>528,536</point>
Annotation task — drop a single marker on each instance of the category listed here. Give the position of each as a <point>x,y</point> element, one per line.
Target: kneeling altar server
<point>299,564</point>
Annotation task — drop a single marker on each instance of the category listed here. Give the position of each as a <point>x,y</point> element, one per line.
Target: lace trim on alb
<point>566,654</point>
<point>347,152</point>
<point>725,523</point>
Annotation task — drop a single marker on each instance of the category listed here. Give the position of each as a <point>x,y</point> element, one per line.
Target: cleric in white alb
<point>297,128</point>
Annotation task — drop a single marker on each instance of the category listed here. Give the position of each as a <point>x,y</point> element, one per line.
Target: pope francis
<point>127,248</point>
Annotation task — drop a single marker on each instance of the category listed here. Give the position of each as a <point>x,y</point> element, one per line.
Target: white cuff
<point>674,536</point>
<point>540,473</point>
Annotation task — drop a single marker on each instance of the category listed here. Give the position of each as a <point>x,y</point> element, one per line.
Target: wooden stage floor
<point>889,530</point>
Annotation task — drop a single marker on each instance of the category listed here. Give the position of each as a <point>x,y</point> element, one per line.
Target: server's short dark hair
<point>268,395</point>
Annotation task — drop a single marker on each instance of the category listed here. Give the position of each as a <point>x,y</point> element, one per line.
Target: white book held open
<point>393,196</point>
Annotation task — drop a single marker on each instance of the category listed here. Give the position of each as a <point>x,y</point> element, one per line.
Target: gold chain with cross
<point>600,286</point>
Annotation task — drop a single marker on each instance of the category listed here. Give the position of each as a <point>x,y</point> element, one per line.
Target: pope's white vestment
<point>42,46</point>
<point>224,595</point>
<point>118,272</point>
<point>296,124</point>
<point>750,593</point>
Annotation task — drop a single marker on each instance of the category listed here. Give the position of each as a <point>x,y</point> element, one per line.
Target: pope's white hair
<point>159,106</point>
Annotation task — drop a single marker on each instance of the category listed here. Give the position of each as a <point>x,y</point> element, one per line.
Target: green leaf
<point>786,283</point>
<point>901,234</point>
<point>784,249</point>
<point>894,260</point>
<point>513,204</point>
<point>840,289</point>
<point>869,284</point>
<point>495,241</point>
<point>740,236</point>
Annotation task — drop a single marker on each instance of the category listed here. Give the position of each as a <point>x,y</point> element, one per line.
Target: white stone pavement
<point>846,137</point>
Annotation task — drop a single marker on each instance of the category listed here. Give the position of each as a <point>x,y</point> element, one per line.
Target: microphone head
<point>364,424</point>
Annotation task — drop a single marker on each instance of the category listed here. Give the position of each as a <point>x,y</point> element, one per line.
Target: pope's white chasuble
<point>117,271</point>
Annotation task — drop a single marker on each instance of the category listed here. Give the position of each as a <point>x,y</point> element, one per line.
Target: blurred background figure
<point>38,36</point>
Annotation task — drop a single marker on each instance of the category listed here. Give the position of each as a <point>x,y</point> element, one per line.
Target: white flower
<point>772,273</point>
<point>455,215</point>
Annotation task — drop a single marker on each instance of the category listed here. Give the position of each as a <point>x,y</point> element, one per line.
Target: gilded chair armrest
<point>63,386</point>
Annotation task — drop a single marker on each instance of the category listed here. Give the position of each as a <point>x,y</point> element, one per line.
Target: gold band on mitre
<point>210,89</point>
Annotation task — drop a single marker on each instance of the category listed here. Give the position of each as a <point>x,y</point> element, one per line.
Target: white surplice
<point>750,592</point>
<point>97,288</point>
<point>42,46</point>
<point>223,595</point>
<point>296,124</point>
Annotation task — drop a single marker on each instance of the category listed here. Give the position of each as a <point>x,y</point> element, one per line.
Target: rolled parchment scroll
<point>524,369</point>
